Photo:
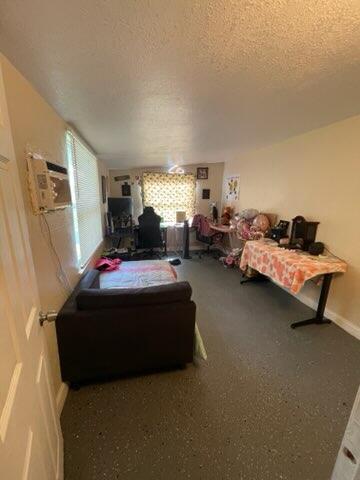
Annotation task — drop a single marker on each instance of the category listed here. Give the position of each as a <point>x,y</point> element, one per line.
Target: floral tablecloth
<point>289,268</point>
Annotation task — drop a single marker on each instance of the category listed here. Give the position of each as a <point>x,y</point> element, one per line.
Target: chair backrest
<point>149,229</point>
<point>202,225</point>
<point>204,238</point>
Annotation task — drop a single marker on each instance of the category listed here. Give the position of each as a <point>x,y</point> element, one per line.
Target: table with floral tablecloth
<point>289,268</point>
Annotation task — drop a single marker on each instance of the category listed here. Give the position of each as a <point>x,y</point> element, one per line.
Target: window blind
<point>85,190</point>
<point>168,193</point>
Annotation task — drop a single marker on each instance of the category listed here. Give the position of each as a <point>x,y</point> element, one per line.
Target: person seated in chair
<point>149,229</point>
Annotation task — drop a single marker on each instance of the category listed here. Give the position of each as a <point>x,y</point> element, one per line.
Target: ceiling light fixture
<point>176,169</point>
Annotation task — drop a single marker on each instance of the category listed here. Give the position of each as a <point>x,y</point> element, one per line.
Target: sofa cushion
<point>95,298</point>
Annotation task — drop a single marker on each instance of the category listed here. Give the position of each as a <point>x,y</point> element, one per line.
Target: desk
<point>291,269</point>
<point>169,231</point>
<point>221,228</point>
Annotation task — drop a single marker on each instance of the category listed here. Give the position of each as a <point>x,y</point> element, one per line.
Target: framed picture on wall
<point>126,190</point>
<point>202,173</point>
<point>103,188</point>
<point>206,193</point>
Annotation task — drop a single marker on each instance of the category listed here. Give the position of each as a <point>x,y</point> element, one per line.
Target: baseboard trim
<point>61,397</point>
<point>341,321</point>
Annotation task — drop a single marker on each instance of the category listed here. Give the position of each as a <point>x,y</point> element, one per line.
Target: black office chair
<point>207,240</point>
<point>149,235</point>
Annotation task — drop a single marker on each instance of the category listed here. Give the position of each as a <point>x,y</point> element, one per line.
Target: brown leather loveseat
<point>111,332</point>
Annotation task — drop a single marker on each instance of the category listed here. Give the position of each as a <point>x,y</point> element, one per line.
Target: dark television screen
<point>120,206</point>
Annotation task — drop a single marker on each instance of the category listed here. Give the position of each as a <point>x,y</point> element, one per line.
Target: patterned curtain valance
<point>169,193</point>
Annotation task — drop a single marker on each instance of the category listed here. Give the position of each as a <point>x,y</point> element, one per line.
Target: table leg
<point>164,231</point>
<point>118,243</point>
<point>319,318</point>
<point>231,242</point>
<point>186,241</point>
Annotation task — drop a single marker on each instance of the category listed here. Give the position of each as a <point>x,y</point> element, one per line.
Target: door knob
<point>49,316</point>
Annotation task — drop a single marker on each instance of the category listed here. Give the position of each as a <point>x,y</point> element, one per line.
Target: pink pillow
<point>107,264</point>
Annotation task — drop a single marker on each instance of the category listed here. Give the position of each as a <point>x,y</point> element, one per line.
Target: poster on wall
<point>232,188</point>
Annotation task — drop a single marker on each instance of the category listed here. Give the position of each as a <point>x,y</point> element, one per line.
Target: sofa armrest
<point>89,280</point>
<point>95,299</point>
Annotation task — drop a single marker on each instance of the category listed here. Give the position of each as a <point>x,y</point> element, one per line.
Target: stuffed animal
<point>233,259</point>
<point>261,223</point>
<point>253,228</point>
<point>226,216</point>
<point>244,230</point>
<point>248,214</point>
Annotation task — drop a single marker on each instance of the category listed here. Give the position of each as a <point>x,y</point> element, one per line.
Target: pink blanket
<point>139,274</point>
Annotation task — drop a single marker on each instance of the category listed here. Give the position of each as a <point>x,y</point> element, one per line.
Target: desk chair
<point>208,240</point>
<point>149,233</point>
<point>204,234</point>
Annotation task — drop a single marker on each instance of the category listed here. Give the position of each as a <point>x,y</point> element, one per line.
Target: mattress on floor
<point>139,274</point>
<point>147,273</point>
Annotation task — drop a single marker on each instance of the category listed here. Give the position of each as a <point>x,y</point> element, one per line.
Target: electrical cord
<point>61,275</point>
<point>315,280</point>
<point>333,255</point>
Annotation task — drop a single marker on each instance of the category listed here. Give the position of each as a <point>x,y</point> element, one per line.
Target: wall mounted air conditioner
<point>48,184</point>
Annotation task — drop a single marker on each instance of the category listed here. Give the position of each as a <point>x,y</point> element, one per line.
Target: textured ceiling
<point>150,82</point>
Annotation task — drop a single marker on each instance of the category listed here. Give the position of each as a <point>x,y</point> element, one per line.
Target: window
<point>85,193</point>
<point>169,193</point>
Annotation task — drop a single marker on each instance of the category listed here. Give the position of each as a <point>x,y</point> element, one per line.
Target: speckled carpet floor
<point>270,402</point>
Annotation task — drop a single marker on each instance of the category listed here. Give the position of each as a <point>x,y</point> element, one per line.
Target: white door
<point>31,444</point>
<point>347,465</point>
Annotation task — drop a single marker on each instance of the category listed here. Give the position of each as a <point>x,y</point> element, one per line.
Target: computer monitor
<point>120,207</point>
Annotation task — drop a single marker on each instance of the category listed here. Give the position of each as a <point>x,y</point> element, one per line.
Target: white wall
<point>33,121</point>
<point>316,175</point>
